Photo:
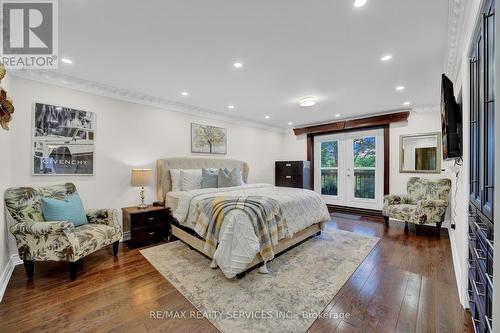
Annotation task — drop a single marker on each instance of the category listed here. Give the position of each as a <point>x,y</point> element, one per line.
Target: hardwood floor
<point>406,284</point>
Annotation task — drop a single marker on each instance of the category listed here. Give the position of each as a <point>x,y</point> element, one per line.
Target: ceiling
<point>289,49</point>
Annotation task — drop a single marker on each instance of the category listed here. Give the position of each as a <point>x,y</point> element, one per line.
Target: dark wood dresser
<point>481,178</point>
<point>293,174</point>
<point>146,226</point>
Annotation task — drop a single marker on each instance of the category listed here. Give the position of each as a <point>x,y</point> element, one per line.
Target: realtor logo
<point>29,34</point>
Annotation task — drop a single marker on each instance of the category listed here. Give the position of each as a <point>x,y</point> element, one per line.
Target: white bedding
<point>238,243</point>
<point>172,199</point>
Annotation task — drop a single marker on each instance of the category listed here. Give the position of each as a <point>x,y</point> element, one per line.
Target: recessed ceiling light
<point>67,61</point>
<point>267,117</point>
<point>230,107</point>
<point>387,57</point>
<point>238,64</point>
<point>337,115</point>
<point>290,124</point>
<point>406,103</point>
<point>359,3</point>
<point>399,88</point>
<point>308,101</point>
<point>58,108</point>
<point>184,93</point>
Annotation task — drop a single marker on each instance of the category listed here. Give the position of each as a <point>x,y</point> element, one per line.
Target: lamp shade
<point>142,177</point>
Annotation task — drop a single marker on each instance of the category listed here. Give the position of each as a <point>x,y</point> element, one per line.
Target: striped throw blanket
<point>265,214</point>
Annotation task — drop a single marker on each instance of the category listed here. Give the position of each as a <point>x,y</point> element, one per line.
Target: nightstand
<point>146,226</point>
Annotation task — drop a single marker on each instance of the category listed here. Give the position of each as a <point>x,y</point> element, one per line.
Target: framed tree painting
<point>208,139</point>
<point>62,140</point>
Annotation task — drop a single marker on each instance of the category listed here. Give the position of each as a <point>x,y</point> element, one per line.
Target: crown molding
<point>100,89</point>
<point>455,41</point>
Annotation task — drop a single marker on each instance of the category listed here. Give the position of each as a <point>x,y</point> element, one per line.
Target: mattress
<point>172,200</point>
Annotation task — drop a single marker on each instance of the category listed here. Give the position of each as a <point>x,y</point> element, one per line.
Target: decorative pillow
<point>69,209</point>
<point>209,178</point>
<point>229,178</point>
<point>175,178</point>
<point>191,179</point>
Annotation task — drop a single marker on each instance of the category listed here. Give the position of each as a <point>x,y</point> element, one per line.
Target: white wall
<point>5,180</point>
<point>421,120</point>
<point>128,135</point>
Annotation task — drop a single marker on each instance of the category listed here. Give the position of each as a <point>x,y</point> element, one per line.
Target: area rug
<point>301,283</point>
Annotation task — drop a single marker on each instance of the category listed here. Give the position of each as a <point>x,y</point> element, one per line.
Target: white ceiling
<point>325,48</point>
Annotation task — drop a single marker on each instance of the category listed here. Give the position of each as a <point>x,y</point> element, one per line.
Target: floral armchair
<point>40,240</point>
<point>425,203</point>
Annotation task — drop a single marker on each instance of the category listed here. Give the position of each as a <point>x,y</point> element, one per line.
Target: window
<point>329,167</point>
<point>365,161</point>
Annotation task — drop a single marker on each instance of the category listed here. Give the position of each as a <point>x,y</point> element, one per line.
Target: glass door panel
<point>364,161</point>
<point>348,168</point>
<point>329,167</point>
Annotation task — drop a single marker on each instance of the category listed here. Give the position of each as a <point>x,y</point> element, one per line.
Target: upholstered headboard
<point>163,166</point>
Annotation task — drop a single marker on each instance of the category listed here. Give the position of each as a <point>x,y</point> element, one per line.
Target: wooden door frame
<point>377,122</point>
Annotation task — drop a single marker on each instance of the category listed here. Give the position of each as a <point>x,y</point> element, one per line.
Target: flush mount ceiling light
<point>267,117</point>
<point>386,58</point>
<point>184,93</point>
<point>307,101</point>
<point>406,103</point>
<point>337,115</point>
<point>290,123</point>
<point>230,107</point>
<point>238,64</point>
<point>359,3</point>
<point>58,108</point>
<point>400,88</point>
<point>67,61</point>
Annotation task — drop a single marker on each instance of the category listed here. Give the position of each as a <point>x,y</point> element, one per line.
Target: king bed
<point>254,222</point>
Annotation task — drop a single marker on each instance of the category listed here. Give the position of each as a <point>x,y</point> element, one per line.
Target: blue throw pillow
<point>69,209</point>
<point>209,178</point>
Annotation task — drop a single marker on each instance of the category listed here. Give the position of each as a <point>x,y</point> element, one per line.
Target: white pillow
<point>175,177</point>
<point>191,179</point>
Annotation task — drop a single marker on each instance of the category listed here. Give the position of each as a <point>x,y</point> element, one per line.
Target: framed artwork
<point>62,140</point>
<point>208,139</point>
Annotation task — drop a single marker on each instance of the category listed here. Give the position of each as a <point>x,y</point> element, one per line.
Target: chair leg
<point>438,228</point>
<point>386,221</point>
<point>29,266</point>
<point>115,248</point>
<point>417,229</point>
<point>406,226</point>
<point>72,270</point>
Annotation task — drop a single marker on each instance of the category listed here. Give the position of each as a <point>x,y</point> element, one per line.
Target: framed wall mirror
<point>420,153</point>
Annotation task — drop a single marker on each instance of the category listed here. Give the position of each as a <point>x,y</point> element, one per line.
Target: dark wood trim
<point>355,211</point>
<point>310,158</point>
<point>362,123</point>
<point>387,160</point>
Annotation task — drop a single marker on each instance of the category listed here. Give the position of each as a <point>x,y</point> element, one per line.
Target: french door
<point>349,168</point>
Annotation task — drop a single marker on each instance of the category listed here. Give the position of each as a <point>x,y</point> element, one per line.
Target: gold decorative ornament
<point>2,72</point>
<point>6,106</point>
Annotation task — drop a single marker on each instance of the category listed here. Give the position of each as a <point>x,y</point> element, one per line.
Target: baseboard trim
<point>458,271</point>
<point>355,211</point>
<point>14,260</point>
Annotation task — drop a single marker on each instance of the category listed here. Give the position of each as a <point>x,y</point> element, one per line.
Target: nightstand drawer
<point>145,219</point>
<point>146,226</point>
<point>151,234</point>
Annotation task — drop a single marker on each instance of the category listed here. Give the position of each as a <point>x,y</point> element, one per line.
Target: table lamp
<point>141,178</point>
